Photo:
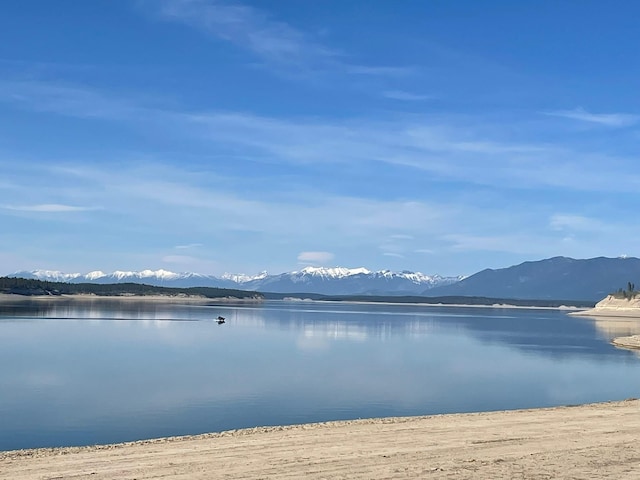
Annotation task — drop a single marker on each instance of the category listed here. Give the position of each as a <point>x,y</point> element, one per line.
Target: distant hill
<point>554,278</point>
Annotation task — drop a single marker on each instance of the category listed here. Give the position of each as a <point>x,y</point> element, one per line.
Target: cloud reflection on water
<point>85,377</point>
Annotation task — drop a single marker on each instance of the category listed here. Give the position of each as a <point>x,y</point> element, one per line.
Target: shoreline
<point>5,297</point>
<point>568,308</point>
<point>9,297</point>
<point>586,441</point>
<point>614,306</point>
<point>631,314</point>
<point>630,343</point>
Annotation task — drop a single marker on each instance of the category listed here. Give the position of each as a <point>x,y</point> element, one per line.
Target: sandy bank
<point>613,307</point>
<point>618,316</point>
<point>632,341</point>
<point>590,441</point>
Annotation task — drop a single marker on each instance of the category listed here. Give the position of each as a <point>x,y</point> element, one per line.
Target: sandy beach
<point>582,442</point>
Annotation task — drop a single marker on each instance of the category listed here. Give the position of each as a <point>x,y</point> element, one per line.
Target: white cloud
<point>315,257</point>
<point>246,27</point>
<point>48,208</point>
<point>606,119</point>
<point>393,254</point>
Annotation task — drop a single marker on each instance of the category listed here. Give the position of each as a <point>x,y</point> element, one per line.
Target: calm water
<point>110,372</point>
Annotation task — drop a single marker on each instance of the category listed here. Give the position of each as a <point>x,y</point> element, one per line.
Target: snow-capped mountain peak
<point>48,275</point>
<point>243,278</point>
<point>324,280</point>
<point>162,274</point>
<point>336,272</point>
<point>91,276</point>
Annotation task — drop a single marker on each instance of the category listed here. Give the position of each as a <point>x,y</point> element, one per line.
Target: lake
<point>110,371</point>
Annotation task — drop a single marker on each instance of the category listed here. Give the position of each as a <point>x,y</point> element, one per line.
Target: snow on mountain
<point>152,274</point>
<point>92,276</point>
<point>242,278</point>
<point>48,275</point>
<point>330,281</point>
<point>337,272</point>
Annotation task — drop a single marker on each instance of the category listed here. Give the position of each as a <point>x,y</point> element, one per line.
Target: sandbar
<point>581,442</point>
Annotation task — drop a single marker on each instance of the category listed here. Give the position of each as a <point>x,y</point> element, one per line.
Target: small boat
<point>220,320</point>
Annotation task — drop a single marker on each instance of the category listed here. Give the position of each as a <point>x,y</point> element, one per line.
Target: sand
<point>583,442</point>
<point>631,342</point>
<point>186,299</point>
<point>612,306</point>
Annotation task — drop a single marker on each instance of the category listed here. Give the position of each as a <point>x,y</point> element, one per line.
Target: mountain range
<point>558,278</point>
<point>327,281</point>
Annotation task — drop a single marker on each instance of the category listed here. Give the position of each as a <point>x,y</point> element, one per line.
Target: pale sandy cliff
<point>613,306</point>
<point>618,308</point>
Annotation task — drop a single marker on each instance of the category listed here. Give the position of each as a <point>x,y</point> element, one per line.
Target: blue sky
<point>218,136</point>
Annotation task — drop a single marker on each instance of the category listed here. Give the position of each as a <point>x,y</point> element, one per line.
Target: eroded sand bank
<point>584,442</point>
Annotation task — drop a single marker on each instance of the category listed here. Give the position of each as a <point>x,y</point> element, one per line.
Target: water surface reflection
<point>106,371</point>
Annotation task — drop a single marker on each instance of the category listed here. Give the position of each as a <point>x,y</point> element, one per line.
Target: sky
<point>219,136</point>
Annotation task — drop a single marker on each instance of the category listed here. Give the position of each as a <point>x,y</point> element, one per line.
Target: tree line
<point>26,286</point>
<point>628,293</point>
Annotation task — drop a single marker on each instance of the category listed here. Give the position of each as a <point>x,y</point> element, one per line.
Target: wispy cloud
<point>380,70</point>
<point>69,100</point>
<point>273,41</point>
<point>606,119</point>
<point>48,208</point>
<point>406,96</point>
<point>401,236</point>
<point>446,148</point>
<point>276,222</point>
<point>513,242</point>
<point>576,222</point>
<point>246,27</point>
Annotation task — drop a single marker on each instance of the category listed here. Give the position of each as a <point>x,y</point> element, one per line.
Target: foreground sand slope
<point>585,442</point>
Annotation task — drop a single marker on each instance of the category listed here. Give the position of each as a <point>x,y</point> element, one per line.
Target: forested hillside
<point>22,286</point>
